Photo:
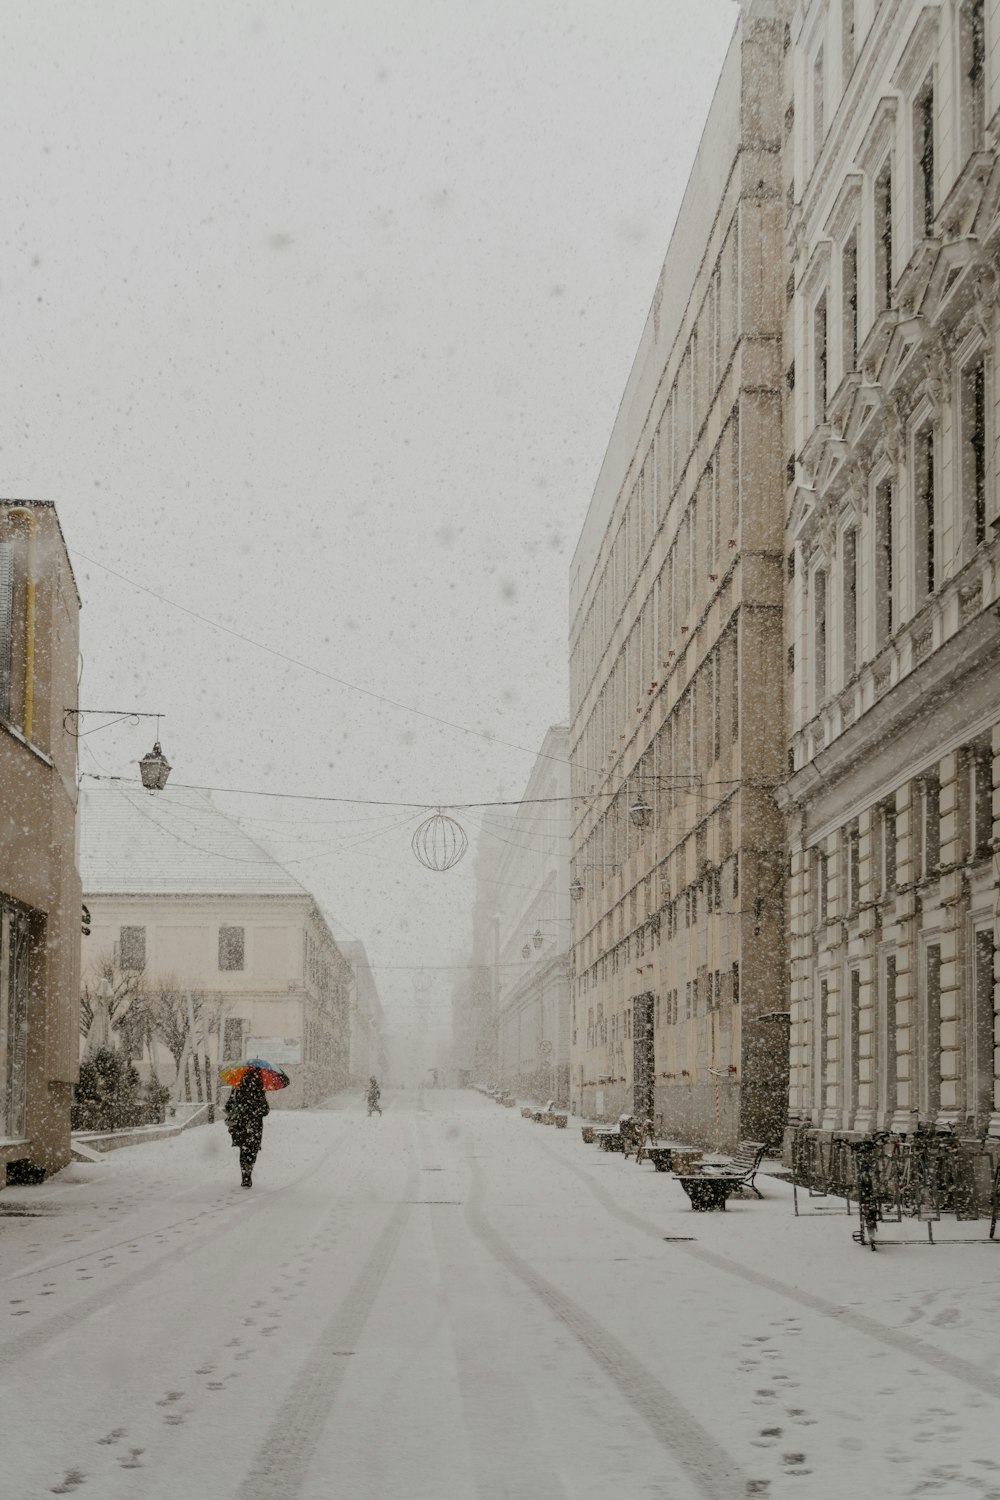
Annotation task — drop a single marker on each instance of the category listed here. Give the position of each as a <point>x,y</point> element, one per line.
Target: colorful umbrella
<point>270,1076</point>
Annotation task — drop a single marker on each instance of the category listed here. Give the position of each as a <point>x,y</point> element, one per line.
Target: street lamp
<point>154,770</point>
<point>640,812</point>
<point>576,886</point>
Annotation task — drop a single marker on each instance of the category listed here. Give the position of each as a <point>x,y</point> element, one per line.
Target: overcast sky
<point>316,318</point>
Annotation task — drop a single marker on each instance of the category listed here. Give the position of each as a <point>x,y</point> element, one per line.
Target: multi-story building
<point>533,936</point>
<point>368,1054</point>
<point>40,903</point>
<point>182,899</point>
<point>893,561</point>
<point>677,671</point>
<point>475,991</point>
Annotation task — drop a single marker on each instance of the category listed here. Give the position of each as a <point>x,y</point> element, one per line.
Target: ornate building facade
<point>677,737</point>
<point>533,933</point>
<point>892,562</point>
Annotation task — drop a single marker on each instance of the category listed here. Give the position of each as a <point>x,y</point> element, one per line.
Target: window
<point>849,594</point>
<point>973,471</point>
<point>980,1098</point>
<point>929,1044</point>
<point>854,1039</point>
<point>819,638</point>
<point>887,1038</point>
<point>821,868</point>
<point>847,39</point>
<point>715,312</point>
<point>714,515</point>
<point>232,1038</point>
<point>885,833</point>
<point>852,851</point>
<point>883,238</point>
<point>736,983</point>
<point>849,301</point>
<point>716,715</point>
<point>231,948</point>
<point>822,1024</point>
<point>132,948</point>
<point>980,800</point>
<point>818,103</point>
<point>926,512</point>
<point>6,625</point>
<point>735,686</point>
<point>923,143</point>
<point>884,594</point>
<point>929,791</point>
<point>819,361</point>
<point>973,45</point>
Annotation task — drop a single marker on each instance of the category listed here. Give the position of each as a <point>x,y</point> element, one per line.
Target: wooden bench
<point>742,1168</point>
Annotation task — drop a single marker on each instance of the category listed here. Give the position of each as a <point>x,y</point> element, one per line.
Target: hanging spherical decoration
<point>440,842</point>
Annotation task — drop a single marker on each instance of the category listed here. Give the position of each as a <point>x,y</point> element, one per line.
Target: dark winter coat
<point>245,1111</point>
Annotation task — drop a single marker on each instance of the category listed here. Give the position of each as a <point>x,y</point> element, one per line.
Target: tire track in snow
<point>282,1461</point>
<point>712,1470</point>
<point>509,1456</point>
<point>949,1364</point>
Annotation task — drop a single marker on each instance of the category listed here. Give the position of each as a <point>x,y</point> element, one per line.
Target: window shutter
<point>6,624</point>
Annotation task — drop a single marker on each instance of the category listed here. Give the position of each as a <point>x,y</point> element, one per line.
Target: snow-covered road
<point>450,1303</point>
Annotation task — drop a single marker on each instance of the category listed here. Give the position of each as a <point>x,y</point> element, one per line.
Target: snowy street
<point>451,1302</point>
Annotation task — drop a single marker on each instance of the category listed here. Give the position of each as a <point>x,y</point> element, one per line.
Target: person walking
<point>245,1111</point>
<point>374,1095</point>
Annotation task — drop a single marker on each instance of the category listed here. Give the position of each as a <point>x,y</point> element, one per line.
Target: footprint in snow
<point>73,1478</point>
<point>112,1437</point>
<point>795,1463</point>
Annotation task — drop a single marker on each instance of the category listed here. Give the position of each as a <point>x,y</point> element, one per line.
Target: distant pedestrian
<point>374,1095</point>
<point>245,1111</point>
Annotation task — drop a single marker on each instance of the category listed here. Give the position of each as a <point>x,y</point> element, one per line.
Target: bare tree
<point>169,1015</point>
<point>123,997</point>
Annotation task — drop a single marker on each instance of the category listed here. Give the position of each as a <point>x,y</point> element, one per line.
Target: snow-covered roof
<point>176,843</point>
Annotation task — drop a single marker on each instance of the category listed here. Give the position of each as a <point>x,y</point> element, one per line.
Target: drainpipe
<point>24,513</point>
